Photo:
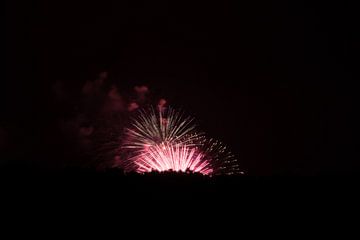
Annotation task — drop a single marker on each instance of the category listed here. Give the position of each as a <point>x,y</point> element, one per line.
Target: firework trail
<point>176,157</point>
<point>108,129</point>
<point>164,140</point>
<point>223,161</point>
<point>151,127</point>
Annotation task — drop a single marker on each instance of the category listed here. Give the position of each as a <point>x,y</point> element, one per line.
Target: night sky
<point>273,80</point>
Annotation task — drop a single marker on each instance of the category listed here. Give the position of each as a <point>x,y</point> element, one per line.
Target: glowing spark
<point>165,140</point>
<point>180,158</point>
<point>150,128</point>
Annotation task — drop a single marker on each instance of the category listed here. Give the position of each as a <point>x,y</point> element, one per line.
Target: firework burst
<point>164,140</point>
<point>175,157</point>
<point>223,161</point>
<point>152,127</point>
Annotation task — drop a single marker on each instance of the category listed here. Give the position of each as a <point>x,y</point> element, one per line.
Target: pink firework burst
<point>176,157</point>
<point>152,127</point>
<point>165,140</point>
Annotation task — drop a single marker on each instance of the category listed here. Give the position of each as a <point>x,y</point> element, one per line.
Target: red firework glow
<point>166,156</point>
<point>163,140</point>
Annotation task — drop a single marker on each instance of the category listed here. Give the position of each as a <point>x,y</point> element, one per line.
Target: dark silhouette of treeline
<point>113,189</point>
<point>116,180</point>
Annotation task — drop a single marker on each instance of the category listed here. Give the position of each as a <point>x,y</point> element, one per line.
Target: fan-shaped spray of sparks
<point>177,157</point>
<point>165,140</point>
<point>152,127</point>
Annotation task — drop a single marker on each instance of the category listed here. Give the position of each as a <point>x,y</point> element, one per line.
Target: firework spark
<point>152,127</point>
<point>223,161</point>
<point>166,140</point>
<point>176,157</point>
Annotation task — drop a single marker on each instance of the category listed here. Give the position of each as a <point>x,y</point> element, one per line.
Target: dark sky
<point>272,79</point>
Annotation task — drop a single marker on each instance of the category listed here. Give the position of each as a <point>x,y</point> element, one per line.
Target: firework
<point>165,140</point>
<point>152,127</point>
<point>223,161</point>
<point>175,157</point>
